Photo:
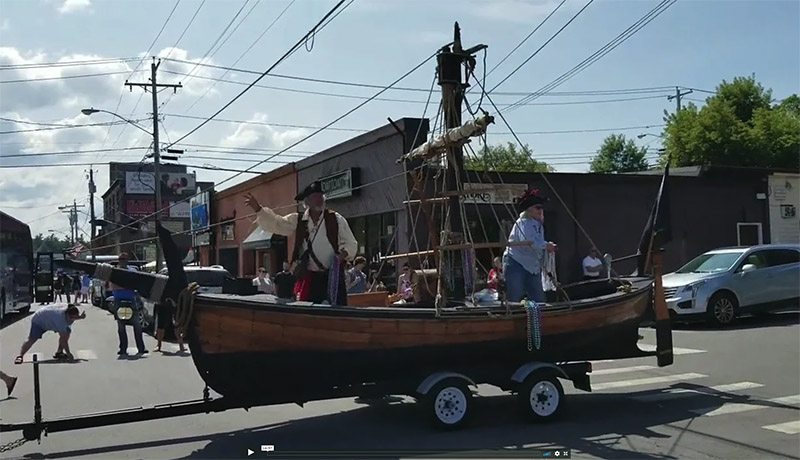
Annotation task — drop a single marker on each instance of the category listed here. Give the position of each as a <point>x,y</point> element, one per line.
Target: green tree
<point>51,243</point>
<point>506,158</point>
<point>618,154</point>
<point>738,126</point>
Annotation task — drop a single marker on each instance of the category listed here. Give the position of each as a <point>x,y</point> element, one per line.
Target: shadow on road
<point>786,318</point>
<point>599,425</point>
<point>11,318</point>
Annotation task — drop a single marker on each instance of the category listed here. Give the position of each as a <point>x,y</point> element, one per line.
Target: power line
<point>543,45</point>
<point>185,29</point>
<point>267,29</point>
<point>423,90</point>
<point>281,59</point>
<point>407,101</point>
<point>39,65</point>
<point>63,77</point>
<point>51,128</point>
<point>526,38</point>
<point>599,54</point>
<point>67,152</point>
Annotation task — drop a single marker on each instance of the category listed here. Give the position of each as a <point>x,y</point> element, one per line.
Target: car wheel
<point>722,309</point>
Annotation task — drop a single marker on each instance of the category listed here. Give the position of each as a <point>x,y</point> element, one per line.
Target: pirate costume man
<point>523,265</point>
<point>323,244</point>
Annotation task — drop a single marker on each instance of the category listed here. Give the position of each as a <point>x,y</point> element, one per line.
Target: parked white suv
<point>724,283</point>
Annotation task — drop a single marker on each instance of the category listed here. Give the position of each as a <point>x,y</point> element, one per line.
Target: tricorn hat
<point>314,187</point>
<point>530,197</point>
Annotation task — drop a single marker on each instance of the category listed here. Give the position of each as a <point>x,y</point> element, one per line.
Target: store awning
<point>258,239</point>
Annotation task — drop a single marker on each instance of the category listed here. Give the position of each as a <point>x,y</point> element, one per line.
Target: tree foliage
<point>738,126</point>
<point>51,243</point>
<point>506,158</point>
<point>618,154</point>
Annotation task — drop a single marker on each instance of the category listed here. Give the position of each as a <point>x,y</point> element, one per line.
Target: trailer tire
<point>449,404</point>
<point>541,396</point>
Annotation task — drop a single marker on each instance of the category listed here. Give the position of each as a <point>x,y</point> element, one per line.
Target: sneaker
<point>143,352</point>
<point>123,353</point>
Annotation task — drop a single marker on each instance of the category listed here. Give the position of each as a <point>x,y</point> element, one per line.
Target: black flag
<point>659,224</point>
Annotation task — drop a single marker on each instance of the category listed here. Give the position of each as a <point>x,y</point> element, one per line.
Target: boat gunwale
<point>641,287</point>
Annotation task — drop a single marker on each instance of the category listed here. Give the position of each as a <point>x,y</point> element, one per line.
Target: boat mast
<point>449,71</point>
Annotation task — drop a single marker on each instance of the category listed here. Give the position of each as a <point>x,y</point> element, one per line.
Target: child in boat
<point>495,274</point>
<point>52,318</point>
<point>356,279</point>
<point>404,289</point>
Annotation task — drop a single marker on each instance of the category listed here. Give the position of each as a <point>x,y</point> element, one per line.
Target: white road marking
<point>675,350</point>
<point>646,381</point>
<point>675,393</point>
<point>735,408</point>
<point>792,427</point>
<point>621,370</point>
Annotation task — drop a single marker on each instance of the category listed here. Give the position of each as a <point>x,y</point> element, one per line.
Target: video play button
<point>249,452</point>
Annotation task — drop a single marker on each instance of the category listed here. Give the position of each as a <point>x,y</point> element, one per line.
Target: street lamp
<point>92,110</point>
<point>642,136</point>
<point>156,164</point>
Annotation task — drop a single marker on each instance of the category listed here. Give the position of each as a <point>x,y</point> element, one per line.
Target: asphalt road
<point>731,394</point>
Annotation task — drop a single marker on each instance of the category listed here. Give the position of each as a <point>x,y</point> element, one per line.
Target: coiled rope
<point>534,313</point>
<point>184,309</point>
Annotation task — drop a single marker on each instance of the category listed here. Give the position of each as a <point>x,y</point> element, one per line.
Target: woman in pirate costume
<point>324,243</point>
<point>522,265</point>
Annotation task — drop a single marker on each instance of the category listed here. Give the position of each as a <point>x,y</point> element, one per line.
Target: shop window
<point>358,226</point>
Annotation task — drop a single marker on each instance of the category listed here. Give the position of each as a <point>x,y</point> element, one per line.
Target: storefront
<point>241,245</point>
<point>364,183</point>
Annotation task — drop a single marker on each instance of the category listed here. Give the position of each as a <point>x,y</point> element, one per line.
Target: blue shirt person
<point>52,318</point>
<point>123,294</point>
<point>356,278</point>
<point>522,265</point>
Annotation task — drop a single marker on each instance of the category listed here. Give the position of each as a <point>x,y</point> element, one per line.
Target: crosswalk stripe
<point>792,427</point>
<point>734,408</point>
<point>675,350</point>
<point>646,381</point>
<point>675,393</point>
<point>621,370</point>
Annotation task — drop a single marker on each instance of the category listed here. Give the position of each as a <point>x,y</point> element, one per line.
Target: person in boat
<point>356,279</point>
<point>496,273</point>
<point>323,238</point>
<point>522,265</point>
<point>592,265</point>
<point>263,282</point>
<point>404,289</point>
<point>284,283</point>
<point>52,318</point>
<point>375,283</point>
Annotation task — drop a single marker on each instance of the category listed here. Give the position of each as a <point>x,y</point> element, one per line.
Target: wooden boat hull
<point>258,349</point>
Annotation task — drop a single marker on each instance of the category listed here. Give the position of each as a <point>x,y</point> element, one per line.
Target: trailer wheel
<point>449,403</point>
<point>541,396</point>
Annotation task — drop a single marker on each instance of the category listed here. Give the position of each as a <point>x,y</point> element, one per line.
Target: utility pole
<point>72,210</point>
<point>678,95</point>
<point>450,66</point>
<point>92,191</point>
<point>153,85</point>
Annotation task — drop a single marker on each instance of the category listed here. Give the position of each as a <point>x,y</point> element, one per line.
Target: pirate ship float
<point>257,349</point>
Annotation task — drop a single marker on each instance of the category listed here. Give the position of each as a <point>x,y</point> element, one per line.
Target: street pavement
<point>731,394</point>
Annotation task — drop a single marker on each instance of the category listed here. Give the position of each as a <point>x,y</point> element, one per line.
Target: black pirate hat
<point>314,187</point>
<point>530,197</point>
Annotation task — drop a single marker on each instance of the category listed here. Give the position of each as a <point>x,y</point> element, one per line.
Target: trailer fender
<point>527,369</point>
<point>431,380</point>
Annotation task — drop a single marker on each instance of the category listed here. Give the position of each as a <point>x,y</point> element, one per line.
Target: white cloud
<point>71,6</point>
<point>261,136</point>
<point>521,11</point>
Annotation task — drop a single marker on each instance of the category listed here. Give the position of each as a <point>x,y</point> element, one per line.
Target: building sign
<point>202,239</point>
<point>139,208</point>
<point>227,232</point>
<point>784,199</point>
<point>493,193</point>
<point>198,205</point>
<point>142,183</point>
<point>179,209</point>
<point>340,185</point>
<point>788,211</point>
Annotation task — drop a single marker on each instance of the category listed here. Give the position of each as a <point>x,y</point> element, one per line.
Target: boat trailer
<point>33,430</point>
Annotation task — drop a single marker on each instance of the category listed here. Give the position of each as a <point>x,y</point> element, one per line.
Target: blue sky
<point>693,44</point>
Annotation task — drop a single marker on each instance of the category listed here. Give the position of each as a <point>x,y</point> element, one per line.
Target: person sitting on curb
<point>52,318</point>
